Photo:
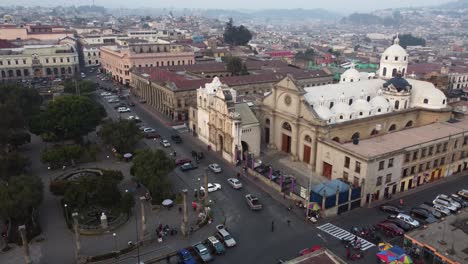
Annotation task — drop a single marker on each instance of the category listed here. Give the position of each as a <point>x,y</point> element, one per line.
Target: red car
<point>152,135</point>
<point>182,161</point>
<point>309,250</point>
<point>390,229</point>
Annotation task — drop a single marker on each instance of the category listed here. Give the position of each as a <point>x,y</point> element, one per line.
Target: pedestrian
<point>401,202</point>
<point>348,253</point>
<point>272,226</point>
<point>289,222</point>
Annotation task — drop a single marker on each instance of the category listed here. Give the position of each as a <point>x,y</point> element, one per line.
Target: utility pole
<point>184,225</point>
<point>24,239</point>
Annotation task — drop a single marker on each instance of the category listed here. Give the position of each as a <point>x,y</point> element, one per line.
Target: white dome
<point>426,95</point>
<point>341,109</point>
<point>323,112</point>
<point>351,75</point>
<point>395,50</point>
<point>361,105</point>
<point>379,102</point>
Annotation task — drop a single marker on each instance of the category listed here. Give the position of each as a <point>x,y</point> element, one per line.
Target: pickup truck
<point>253,202</point>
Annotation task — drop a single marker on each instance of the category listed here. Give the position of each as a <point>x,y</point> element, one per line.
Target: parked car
<point>390,229</point>
<point>120,105</point>
<point>113,101</point>
<point>216,245</point>
<point>188,166</point>
<point>151,135</point>
<point>203,252</point>
<point>448,199</point>
<point>408,219</point>
<point>148,130</point>
<point>459,199</point>
<point>388,208</point>
<point>463,193</point>
<point>214,167</point>
<point>400,223</point>
<point>123,110</point>
<point>105,94</point>
<point>136,119</point>
<point>431,210</point>
<point>253,202</point>
<point>182,161</point>
<point>235,183</point>
<point>176,138</point>
<point>449,206</point>
<point>212,187</point>
<point>165,143</point>
<point>263,169</point>
<point>186,257</point>
<point>423,214</point>
<point>225,236</point>
<point>442,209</point>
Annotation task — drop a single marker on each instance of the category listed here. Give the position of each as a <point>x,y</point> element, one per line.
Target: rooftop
<point>246,114</point>
<point>446,237</point>
<point>395,141</point>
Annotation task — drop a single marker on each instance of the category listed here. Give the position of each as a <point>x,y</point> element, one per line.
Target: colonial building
<point>38,32</point>
<point>227,126</point>
<point>32,61</point>
<point>295,119</point>
<point>117,60</point>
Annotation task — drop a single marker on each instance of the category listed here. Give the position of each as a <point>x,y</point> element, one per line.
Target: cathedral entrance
<point>267,135</point>
<point>306,153</point>
<point>220,145</point>
<point>286,143</point>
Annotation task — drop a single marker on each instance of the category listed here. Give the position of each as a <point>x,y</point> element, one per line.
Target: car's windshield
<point>227,237</point>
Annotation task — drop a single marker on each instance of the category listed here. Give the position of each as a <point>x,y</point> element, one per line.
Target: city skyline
<point>333,5</point>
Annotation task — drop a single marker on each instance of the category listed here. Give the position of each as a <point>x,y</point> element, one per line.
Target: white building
<point>229,127</point>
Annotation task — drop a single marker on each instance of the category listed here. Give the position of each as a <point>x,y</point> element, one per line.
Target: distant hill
<point>460,4</point>
<point>271,14</point>
<point>370,19</point>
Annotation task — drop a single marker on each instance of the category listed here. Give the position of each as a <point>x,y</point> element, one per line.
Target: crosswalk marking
<point>340,233</point>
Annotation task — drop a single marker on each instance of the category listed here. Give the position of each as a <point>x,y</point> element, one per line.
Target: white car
<point>214,167</point>
<point>123,110</point>
<point>105,94</point>
<point>133,118</point>
<point>212,187</point>
<point>148,130</point>
<point>442,209</point>
<point>235,183</point>
<point>407,219</point>
<point>165,143</point>
<point>225,236</point>
<point>448,205</point>
<point>448,199</point>
<point>113,100</point>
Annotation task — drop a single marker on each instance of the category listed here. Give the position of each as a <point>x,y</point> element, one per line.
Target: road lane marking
<point>343,234</point>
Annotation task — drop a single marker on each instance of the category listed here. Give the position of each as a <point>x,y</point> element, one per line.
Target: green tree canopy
<point>21,195</point>
<point>122,135</point>
<point>68,117</point>
<point>236,35</point>
<point>83,86</point>
<point>152,168</point>
<point>410,40</point>
<point>308,54</point>
<point>235,66</point>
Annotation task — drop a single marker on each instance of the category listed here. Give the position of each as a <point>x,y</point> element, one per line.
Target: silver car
<point>448,199</point>
<point>442,209</point>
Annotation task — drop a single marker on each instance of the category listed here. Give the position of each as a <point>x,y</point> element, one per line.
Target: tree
<point>309,54</point>
<point>234,65</point>
<point>60,155</point>
<point>20,196</point>
<point>68,117</point>
<point>410,40</point>
<point>151,168</point>
<point>236,35</point>
<point>84,87</point>
<point>122,135</point>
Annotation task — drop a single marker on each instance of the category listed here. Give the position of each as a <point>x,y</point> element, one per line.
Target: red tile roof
<point>423,68</point>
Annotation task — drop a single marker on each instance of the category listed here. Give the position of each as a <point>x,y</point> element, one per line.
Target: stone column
<point>24,239</point>
<point>77,234</point>
<point>184,225</point>
<point>143,218</point>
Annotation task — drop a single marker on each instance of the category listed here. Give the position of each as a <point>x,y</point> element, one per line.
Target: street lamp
<point>66,212</point>
<point>115,241</point>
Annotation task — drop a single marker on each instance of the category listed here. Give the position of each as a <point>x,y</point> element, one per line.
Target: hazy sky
<point>336,5</point>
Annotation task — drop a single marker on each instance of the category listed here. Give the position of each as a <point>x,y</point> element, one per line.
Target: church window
<point>350,116</point>
<point>350,101</point>
<point>368,98</point>
<point>443,102</point>
<point>344,79</point>
<point>403,72</point>
<point>404,58</point>
<point>384,72</point>
<point>287,126</point>
<point>396,58</point>
<point>331,104</point>
<point>406,104</point>
<point>341,117</point>
<point>352,80</point>
<point>426,101</point>
<point>379,110</point>
<point>394,72</point>
<point>386,57</point>
<point>307,138</point>
<point>397,104</point>
<point>360,113</point>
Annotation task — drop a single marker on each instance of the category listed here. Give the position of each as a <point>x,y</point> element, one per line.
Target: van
<point>225,236</point>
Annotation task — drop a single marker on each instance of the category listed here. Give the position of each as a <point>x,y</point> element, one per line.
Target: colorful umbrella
<point>314,206</point>
<point>384,246</point>
<point>405,259</point>
<point>386,256</point>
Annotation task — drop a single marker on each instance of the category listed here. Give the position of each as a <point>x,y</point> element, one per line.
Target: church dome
<point>323,112</point>
<point>341,108</point>
<point>395,50</point>
<point>351,75</point>
<point>361,105</point>
<point>399,83</point>
<point>426,95</point>
<point>379,102</point>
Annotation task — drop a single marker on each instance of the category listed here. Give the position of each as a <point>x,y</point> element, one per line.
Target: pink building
<point>119,60</point>
<point>39,32</point>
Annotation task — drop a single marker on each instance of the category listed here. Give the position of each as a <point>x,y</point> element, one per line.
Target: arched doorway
<point>336,139</point>
<point>220,145</point>
<point>307,149</point>
<point>267,131</point>
<point>286,137</point>
<point>244,150</point>
<point>355,136</point>
<point>374,132</point>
